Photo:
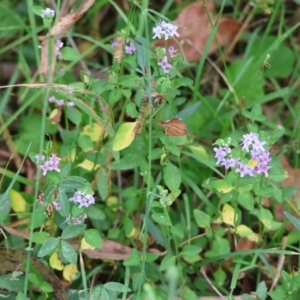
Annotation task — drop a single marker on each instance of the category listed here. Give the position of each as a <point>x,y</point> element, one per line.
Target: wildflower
<point>130,48</point>
<point>56,205</point>
<point>115,43</point>
<point>168,30</point>
<point>39,158</point>
<point>70,104</point>
<point>48,13</point>
<point>83,199</point>
<point>51,99</point>
<point>172,50</point>
<point>254,148</point>
<point>52,164</point>
<point>165,65</point>
<point>59,45</point>
<point>69,89</point>
<point>59,102</point>
<point>80,219</point>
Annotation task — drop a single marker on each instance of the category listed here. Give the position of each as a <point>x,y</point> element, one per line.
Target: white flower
<point>168,30</point>
<point>48,13</point>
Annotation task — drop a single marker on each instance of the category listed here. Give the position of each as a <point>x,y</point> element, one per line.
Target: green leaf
<point>133,260</point>
<point>150,257</point>
<point>222,186</point>
<point>266,217</point>
<point>280,195</point>
<point>37,10</point>
<point>131,110</point>
<point>74,115</point>
<point>49,192</point>
<point>129,81</point>
<point>70,54</point>
<point>177,230</point>
<point>38,219</point>
<point>85,143</point>
<point>220,246</point>
<point>185,81</point>
<point>50,245</point>
<point>172,176</point>
<point>261,291</point>
<point>246,200</point>
<point>188,111</point>
<point>93,238</point>
<point>33,278</point>
<point>46,287</point>
<point>141,55</point>
<point>39,237</point>
<point>190,250</point>
<point>21,296</point>
<point>69,253</point>
<point>203,220</point>
<point>73,182</point>
<point>167,261</point>
<point>116,287</point>
<point>64,201</point>
<point>125,136</point>
<point>72,231</point>
<point>128,225</point>
<point>96,293</point>
<point>103,183</point>
<point>293,220</point>
<point>278,294</point>
<point>95,212</point>
<point>161,218</point>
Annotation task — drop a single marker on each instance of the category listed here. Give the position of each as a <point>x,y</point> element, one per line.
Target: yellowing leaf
<point>88,165</point>
<point>70,272</point>
<point>125,136</point>
<point>133,233</point>
<point>55,116</point>
<point>199,151</point>
<point>94,131</point>
<point>222,186</point>
<point>18,203</point>
<point>113,201</point>
<point>228,215</point>
<point>85,245</point>
<point>55,262</point>
<point>244,231</point>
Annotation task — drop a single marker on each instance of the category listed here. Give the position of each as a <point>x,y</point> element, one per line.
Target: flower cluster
<point>83,199</point>
<point>52,164</point>
<point>164,29</point>
<point>130,48</point>
<point>60,102</point>
<point>58,46</point>
<point>254,148</point>
<point>165,65</point>
<point>48,13</point>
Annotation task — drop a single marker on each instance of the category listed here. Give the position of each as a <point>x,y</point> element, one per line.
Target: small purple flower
<point>83,199</point>
<point>165,65</point>
<point>172,50</point>
<point>51,99</point>
<point>80,219</point>
<point>52,164</point>
<point>56,205</point>
<point>130,48</point>
<point>70,104</point>
<point>59,102</point>
<point>48,13</point>
<point>168,30</point>
<point>59,45</point>
<point>39,158</point>
<point>115,43</point>
<point>220,154</point>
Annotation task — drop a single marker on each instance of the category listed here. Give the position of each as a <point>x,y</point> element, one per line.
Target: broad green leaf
<point>150,257</point>
<point>74,115</point>
<point>222,186</point>
<point>50,245</point>
<point>69,253</point>
<point>172,176</point>
<point>188,111</point>
<point>203,220</point>
<point>70,54</point>
<point>39,237</point>
<point>246,200</point>
<point>161,218</point>
<point>85,143</point>
<point>37,10</point>
<point>125,136</point>
<point>266,217</point>
<point>261,291</point>
<point>116,287</point>
<point>185,81</point>
<point>133,260</point>
<point>64,201</point>
<point>190,250</point>
<point>38,218</point>
<point>177,230</point>
<point>220,246</point>
<point>72,231</point>
<point>103,183</point>
<point>168,260</point>
<point>93,238</point>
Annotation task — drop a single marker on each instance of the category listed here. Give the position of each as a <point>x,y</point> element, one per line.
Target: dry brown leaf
<point>174,127</point>
<point>59,28</point>
<point>195,28</point>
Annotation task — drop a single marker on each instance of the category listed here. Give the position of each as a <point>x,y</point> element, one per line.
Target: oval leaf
<point>125,136</point>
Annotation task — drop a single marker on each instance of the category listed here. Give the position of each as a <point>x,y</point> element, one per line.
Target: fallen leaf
<point>174,127</point>
<point>195,28</point>
<point>55,116</point>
